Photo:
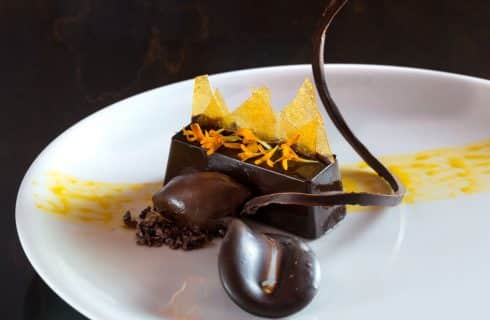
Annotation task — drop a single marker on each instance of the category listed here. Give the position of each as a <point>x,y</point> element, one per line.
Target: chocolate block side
<point>260,180</point>
<point>327,217</point>
<point>184,158</point>
<point>308,222</point>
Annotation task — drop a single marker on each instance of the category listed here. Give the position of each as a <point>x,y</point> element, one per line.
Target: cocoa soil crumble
<point>155,230</point>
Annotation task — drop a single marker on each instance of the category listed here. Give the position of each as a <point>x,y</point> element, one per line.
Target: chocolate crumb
<point>155,230</point>
<point>145,212</point>
<point>128,221</point>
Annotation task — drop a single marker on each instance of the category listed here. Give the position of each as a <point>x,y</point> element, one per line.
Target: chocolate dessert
<point>315,178</point>
<point>287,153</point>
<point>275,168</point>
<point>200,199</point>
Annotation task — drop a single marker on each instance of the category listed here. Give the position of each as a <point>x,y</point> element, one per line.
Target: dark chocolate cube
<point>307,222</point>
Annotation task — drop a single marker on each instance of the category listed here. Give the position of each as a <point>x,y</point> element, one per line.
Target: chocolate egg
<point>200,198</point>
<point>269,275</point>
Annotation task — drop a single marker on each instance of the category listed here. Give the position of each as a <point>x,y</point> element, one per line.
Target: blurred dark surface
<point>61,60</point>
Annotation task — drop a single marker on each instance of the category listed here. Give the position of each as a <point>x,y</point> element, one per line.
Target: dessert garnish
<point>269,275</point>
<point>256,122</point>
<point>155,230</point>
<point>250,145</point>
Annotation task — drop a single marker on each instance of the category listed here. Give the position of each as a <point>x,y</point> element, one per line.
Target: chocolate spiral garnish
<point>335,197</point>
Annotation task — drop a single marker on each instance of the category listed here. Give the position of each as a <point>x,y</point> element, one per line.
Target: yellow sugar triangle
<point>221,101</point>
<point>256,113</point>
<point>302,114</point>
<point>202,95</point>
<point>308,136</point>
<point>217,108</point>
<point>265,93</point>
<point>307,92</point>
<point>322,145</point>
<point>286,129</point>
<point>302,109</point>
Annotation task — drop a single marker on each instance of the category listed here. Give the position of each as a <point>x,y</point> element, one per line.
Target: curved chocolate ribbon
<point>334,197</point>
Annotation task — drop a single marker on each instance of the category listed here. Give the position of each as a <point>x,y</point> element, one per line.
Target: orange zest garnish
<point>288,154</point>
<point>194,134</point>
<point>246,141</point>
<point>267,156</point>
<point>232,145</point>
<point>212,141</point>
<point>248,137</point>
<point>250,151</point>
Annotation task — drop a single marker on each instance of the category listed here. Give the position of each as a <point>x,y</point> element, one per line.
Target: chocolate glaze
<point>304,221</point>
<point>269,275</point>
<point>200,198</point>
<point>334,197</point>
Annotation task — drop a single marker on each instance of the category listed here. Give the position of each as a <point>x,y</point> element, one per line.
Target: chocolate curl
<point>336,197</point>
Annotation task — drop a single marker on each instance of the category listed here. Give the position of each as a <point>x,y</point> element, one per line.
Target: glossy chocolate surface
<point>200,198</point>
<point>304,221</point>
<point>269,275</point>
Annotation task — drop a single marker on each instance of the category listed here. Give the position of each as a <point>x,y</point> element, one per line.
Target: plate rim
<point>93,313</point>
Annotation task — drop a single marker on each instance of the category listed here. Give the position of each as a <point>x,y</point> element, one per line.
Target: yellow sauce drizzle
<point>428,175</point>
<point>92,201</point>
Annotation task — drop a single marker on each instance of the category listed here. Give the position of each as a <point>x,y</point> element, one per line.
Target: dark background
<point>61,60</point>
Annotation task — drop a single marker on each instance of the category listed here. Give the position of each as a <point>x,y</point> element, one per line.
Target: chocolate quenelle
<point>200,199</point>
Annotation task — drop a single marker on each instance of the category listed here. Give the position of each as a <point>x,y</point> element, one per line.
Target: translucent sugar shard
<point>308,139</point>
<point>302,109</point>
<point>202,95</point>
<point>229,122</point>
<point>307,92</point>
<point>265,93</point>
<point>286,129</point>
<point>300,114</point>
<point>221,101</point>
<point>256,113</point>
<point>322,145</point>
<point>217,108</point>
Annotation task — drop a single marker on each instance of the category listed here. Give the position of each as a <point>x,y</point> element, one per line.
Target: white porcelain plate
<point>427,259</point>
